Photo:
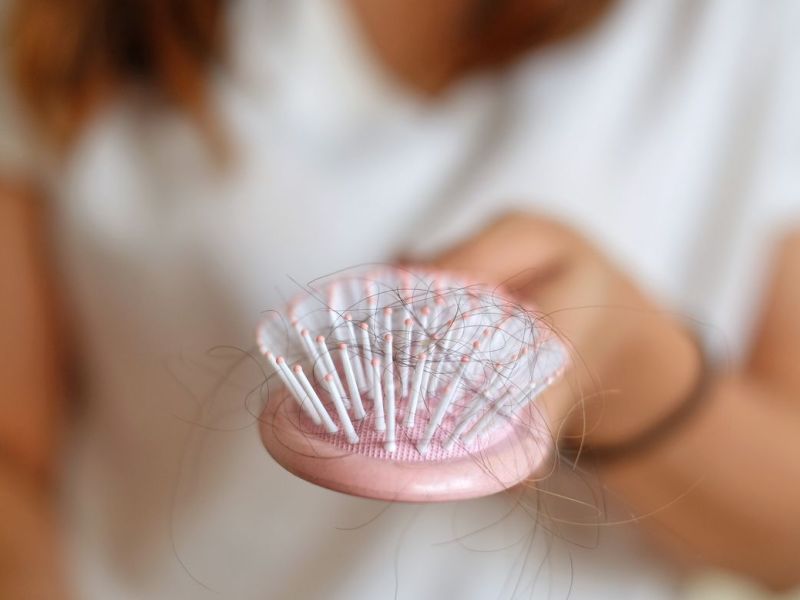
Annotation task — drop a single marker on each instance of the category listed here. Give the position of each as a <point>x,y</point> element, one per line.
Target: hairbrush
<point>408,385</point>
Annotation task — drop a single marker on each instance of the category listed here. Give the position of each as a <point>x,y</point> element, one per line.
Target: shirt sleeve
<point>777,176</point>
<point>772,209</point>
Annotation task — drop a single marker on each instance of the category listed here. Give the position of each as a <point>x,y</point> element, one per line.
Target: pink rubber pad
<point>512,453</point>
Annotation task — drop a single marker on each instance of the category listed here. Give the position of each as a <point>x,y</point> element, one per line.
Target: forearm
<point>722,483</point>
<point>31,389</point>
<point>725,488</point>
<point>726,485</point>
<point>29,550</point>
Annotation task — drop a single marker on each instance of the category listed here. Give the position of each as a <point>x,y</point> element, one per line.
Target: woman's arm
<point>724,488</point>
<point>742,449</point>
<point>31,395</point>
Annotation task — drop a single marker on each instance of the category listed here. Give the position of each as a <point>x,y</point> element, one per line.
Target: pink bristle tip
<point>280,360</point>
<point>376,362</point>
<point>387,310</point>
<point>408,322</point>
<point>342,346</point>
<point>297,368</point>
<point>364,326</point>
<point>320,338</point>
<point>388,337</point>
<point>328,377</point>
<point>304,332</point>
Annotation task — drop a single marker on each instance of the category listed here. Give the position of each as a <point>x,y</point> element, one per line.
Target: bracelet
<point>660,430</point>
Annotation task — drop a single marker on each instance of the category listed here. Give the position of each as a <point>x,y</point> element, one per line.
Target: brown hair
<point>70,56</point>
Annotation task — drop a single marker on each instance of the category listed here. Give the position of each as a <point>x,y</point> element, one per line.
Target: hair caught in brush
<point>464,337</point>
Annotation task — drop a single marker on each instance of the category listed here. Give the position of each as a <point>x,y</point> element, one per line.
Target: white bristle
<point>427,366</point>
<point>451,391</point>
<point>294,388</point>
<point>333,317</point>
<point>408,325</point>
<point>311,351</point>
<point>344,418</point>
<point>472,410</point>
<point>329,366</point>
<point>387,319</point>
<point>388,386</point>
<point>351,340</point>
<point>352,384</point>
<point>377,395</point>
<point>416,386</point>
<point>330,426</point>
<point>372,302</point>
<point>366,349</point>
<point>433,370</point>
<point>425,315</point>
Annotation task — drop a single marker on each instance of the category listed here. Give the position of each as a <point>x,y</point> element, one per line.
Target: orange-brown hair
<point>70,56</point>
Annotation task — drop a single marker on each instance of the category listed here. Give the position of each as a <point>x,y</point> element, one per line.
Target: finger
<point>516,249</point>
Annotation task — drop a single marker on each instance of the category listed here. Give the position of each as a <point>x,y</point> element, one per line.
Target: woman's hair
<point>69,56</point>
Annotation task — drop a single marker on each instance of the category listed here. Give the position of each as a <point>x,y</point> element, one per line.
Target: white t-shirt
<point>669,135</point>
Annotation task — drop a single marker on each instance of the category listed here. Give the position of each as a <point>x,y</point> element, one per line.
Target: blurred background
<point>169,169</point>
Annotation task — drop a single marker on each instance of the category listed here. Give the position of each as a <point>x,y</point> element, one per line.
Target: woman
<point>188,188</point>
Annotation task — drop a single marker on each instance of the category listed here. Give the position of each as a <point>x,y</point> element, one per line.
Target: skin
<point>430,45</point>
<point>722,490</point>
<point>751,417</point>
<point>31,403</point>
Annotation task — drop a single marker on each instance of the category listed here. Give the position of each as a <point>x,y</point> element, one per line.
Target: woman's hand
<point>723,489</point>
<point>632,362</point>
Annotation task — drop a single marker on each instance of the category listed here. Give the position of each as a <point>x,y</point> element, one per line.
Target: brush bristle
<point>409,365</point>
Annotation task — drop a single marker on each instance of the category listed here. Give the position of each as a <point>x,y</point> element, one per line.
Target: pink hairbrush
<point>409,386</point>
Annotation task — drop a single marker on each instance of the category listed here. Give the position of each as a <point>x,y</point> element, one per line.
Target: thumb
<point>518,250</point>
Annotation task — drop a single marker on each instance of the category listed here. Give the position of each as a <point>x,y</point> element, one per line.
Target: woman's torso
<point>169,263</point>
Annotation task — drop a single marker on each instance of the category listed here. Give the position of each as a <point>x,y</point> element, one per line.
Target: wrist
<point>645,381</point>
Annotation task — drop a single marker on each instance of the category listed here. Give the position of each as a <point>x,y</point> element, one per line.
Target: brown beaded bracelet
<point>660,430</point>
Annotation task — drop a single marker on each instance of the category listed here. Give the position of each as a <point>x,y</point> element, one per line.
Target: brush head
<point>409,386</point>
